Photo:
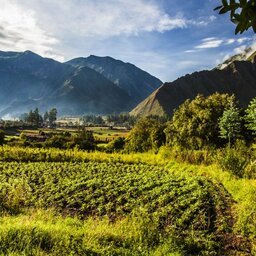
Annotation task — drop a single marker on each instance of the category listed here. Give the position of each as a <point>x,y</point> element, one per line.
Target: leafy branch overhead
<point>242,13</point>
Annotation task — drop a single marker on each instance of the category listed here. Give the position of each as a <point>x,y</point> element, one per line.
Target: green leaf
<point>217,8</point>
<point>254,27</point>
<point>225,2</point>
<point>238,27</point>
<point>224,10</point>
<point>243,2</point>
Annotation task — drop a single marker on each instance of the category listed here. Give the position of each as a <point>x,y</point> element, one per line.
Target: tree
<point>250,116</point>
<point>83,140</point>
<point>46,117</point>
<point>37,118</point>
<point>230,124</point>
<point>116,145</point>
<point>33,117</point>
<point>195,123</point>
<point>52,116</point>
<point>242,13</point>
<point>147,134</point>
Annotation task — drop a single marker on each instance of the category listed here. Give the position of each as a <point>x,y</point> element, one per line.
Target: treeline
<point>82,139</point>
<point>204,122</point>
<point>34,118</point>
<point>123,119</point>
<point>203,130</point>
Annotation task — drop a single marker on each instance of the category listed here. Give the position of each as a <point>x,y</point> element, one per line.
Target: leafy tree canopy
<point>250,116</point>
<point>147,134</point>
<point>195,123</point>
<point>242,13</point>
<point>230,124</point>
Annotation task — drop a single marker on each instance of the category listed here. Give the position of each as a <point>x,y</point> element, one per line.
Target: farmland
<point>64,202</point>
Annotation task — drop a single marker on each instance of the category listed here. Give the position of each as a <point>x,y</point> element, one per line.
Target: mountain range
<point>104,85</point>
<point>237,75</point>
<point>92,85</point>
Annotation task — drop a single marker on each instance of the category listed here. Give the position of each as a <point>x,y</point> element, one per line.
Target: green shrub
<point>116,145</point>
<point>188,156</point>
<point>56,141</point>
<point>235,159</point>
<point>14,195</point>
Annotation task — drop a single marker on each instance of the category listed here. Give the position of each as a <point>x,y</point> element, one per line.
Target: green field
<point>102,135</point>
<point>63,202</point>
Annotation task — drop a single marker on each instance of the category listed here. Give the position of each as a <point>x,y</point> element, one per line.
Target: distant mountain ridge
<point>136,82</point>
<point>237,77</point>
<point>28,80</point>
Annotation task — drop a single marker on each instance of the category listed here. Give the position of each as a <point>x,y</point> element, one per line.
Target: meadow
<point>72,202</point>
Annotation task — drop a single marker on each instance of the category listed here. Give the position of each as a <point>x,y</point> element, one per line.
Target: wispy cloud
<point>209,43</point>
<point>243,40</point>
<point>202,21</point>
<point>214,42</point>
<point>230,41</point>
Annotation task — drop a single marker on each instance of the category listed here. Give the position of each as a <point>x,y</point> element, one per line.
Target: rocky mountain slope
<point>237,77</point>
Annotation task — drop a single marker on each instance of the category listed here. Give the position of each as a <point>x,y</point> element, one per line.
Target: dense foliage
<point>33,117</point>
<point>230,124</point>
<point>83,139</point>
<point>242,13</point>
<point>250,116</point>
<point>195,122</point>
<point>146,135</point>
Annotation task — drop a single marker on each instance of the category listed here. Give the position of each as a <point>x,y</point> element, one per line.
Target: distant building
<point>69,122</point>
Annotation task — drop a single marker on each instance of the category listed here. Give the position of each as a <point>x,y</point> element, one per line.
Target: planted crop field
<point>147,210</point>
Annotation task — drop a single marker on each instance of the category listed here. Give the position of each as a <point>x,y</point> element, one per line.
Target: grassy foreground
<point>110,204</point>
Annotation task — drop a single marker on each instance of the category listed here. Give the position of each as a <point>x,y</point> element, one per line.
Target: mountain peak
<point>136,82</point>
<point>31,54</point>
<point>237,77</point>
<point>246,55</point>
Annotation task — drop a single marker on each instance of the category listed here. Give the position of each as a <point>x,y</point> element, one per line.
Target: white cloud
<point>103,19</point>
<point>191,51</point>
<point>19,31</point>
<point>243,39</point>
<point>213,42</point>
<point>202,21</point>
<point>230,41</point>
<point>210,42</point>
<point>240,49</point>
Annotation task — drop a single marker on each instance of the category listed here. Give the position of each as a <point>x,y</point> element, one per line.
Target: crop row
<point>110,189</point>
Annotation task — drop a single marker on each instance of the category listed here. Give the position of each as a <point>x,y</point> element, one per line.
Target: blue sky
<point>168,38</point>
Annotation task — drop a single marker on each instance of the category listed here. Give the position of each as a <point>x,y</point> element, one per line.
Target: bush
<point>56,141</point>
<point>115,145</point>
<point>188,156</point>
<point>14,195</point>
<point>236,159</point>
